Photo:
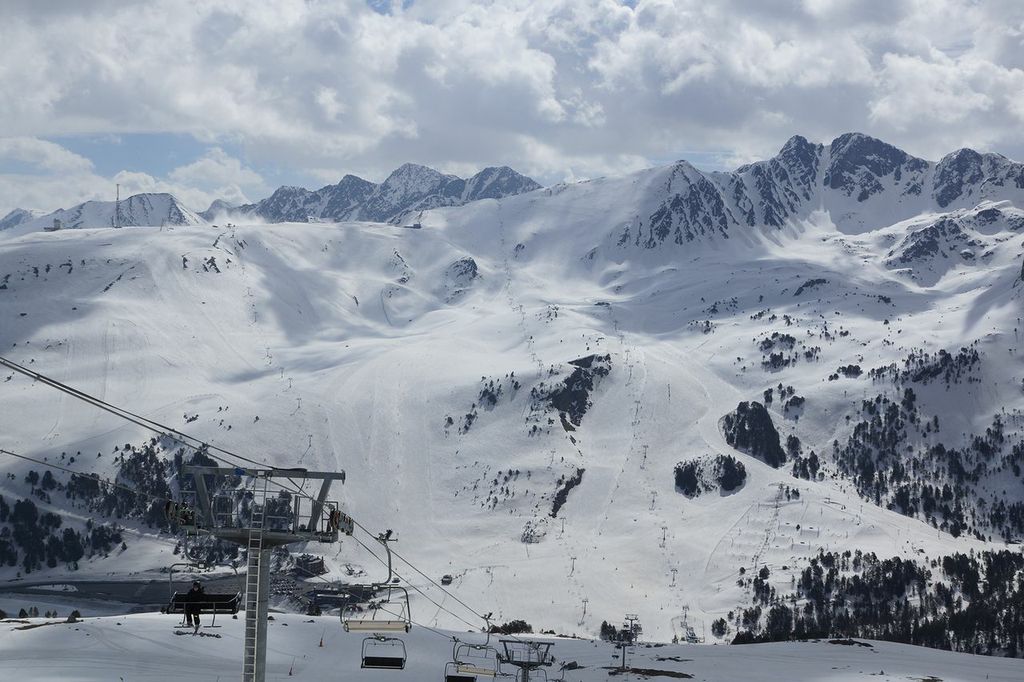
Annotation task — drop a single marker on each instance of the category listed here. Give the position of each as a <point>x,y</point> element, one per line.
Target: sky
<point>229,99</point>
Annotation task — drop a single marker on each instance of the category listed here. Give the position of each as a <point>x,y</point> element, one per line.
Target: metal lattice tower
<point>526,655</point>
<point>260,532</point>
<point>256,577</point>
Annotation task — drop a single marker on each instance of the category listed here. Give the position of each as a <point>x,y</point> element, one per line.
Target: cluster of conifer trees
<point>964,602</point>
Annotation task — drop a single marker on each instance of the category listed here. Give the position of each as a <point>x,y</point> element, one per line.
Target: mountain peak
<point>415,170</point>
<point>796,144</point>
<point>495,182</point>
<point>217,207</point>
<point>859,163</point>
<point>410,187</point>
<point>17,217</point>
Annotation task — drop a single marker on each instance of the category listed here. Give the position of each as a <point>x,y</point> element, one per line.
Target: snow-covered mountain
<point>217,209</point>
<point>863,184</point>
<point>409,189</point>
<point>149,209</point>
<point>782,400</point>
<point>17,217</point>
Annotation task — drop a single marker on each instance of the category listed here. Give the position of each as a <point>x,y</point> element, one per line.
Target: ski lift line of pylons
<point>146,423</point>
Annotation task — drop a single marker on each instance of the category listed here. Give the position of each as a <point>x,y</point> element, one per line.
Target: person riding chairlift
<point>194,604</point>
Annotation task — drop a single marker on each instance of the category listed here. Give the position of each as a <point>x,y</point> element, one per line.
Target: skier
<point>193,604</point>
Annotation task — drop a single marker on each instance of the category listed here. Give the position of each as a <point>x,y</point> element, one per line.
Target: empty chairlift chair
<point>388,615</point>
<point>472,663</point>
<point>383,653</point>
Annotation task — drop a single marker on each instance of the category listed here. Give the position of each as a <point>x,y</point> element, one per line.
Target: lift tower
<point>259,523</point>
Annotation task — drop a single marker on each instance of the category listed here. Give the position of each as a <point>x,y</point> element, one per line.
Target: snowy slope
<point>144,647</point>
<point>380,350</point>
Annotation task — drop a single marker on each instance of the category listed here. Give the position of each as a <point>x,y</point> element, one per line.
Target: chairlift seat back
<point>376,626</point>
<point>387,653</point>
<point>476,670</point>
<point>210,602</point>
<point>384,662</point>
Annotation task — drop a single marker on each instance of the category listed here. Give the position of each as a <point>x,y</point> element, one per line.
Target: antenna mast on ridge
<point>117,207</point>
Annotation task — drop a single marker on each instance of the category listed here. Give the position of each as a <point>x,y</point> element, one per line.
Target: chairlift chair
<point>213,602</point>
<point>383,653</point>
<point>470,662</point>
<point>400,622</point>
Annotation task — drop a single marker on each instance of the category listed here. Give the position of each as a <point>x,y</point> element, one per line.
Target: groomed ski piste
<point>372,348</point>
<point>147,647</point>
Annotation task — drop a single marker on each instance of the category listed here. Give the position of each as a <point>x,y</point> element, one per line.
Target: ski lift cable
<point>419,625</point>
<point>479,615</point>
<point>95,477</point>
<point>190,441</point>
<point>157,498</point>
<point>145,422</point>
<point>424,575</point>
<point>414,587</point>
<point>128,415</point>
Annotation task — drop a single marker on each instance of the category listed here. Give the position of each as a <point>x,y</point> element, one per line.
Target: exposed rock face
<point>409,189</point>
<point>859,164</point>
<point>750,429</point>
<point>459,277</point>
<point>966,174</point>
<point>857,178</point>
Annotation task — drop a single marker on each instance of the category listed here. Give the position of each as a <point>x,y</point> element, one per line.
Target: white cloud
<point>559,88</point>
<point>50,177</point>
<point>219,175</point>
<point>43,155</point>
